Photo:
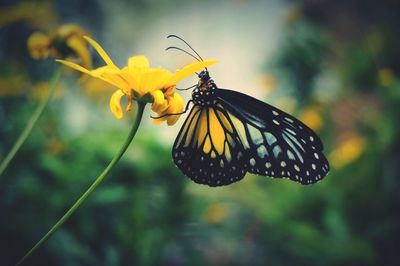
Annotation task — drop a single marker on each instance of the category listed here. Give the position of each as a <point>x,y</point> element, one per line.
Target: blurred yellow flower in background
<point>65,42</point>
<point>215,213</point>
<point>96,88</point>
<point>386,77</point>
<point>293,15</point>
<point>347,151</point>
<point>311,116</point>
<point>56,146</point>
<point>13,85</point>
<point>39,45</point>
<point>41,90</point>
<point>268,82</point>
<point>138,81</point>
<point>40,14</point>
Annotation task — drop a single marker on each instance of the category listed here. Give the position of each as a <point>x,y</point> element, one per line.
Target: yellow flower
<point>348,151</point>
<point>140,82</point>
<point>294,15</point>
<point>386,77</point>
<point>41,89</point>
<point>269,82</point>
<point>311,116</point>
<point>40,14</point>
<point>215,213</point>
<point>13,85</point>
<point>66,42</point>
<point>39,45</point>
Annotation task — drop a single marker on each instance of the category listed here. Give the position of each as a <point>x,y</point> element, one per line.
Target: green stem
<point>32,122</point>
<point>95,184</point>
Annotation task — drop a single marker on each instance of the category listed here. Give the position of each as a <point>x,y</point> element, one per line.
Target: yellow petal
<point>138,61</point>
<point>39,45</point>
<point>105,70</point>
<point>189,70</point>
<point>97,73</point>
<point>161,77</point>
<point>175,106</point>
<point>165,76</point>
<point>116,79</point>
<point>133,79</point>
<point>100,50</point>
<point>159,103</point>
<point>115,104</point>
<point>154,79</point>
<point>74,66</point>
<point>178,104</point>
<point>129,79</point>
<point>79,47</point>
<point>68,30</point>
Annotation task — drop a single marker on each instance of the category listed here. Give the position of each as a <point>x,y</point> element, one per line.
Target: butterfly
<point>228,134</point>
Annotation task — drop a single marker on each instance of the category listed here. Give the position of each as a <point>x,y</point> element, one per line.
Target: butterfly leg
<point>188,88</point>
<point>186,109</point>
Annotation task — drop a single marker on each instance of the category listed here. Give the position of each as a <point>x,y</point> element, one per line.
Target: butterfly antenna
<point>180,49</point>
<point>179,38</point>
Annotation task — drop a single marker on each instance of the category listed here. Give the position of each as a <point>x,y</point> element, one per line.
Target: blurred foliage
<point>340,61</point>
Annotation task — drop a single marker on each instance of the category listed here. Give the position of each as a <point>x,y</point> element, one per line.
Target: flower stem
<point>95,184</point>
<point>32,121</point>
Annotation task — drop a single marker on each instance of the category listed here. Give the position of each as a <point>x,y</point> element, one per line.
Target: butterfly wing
<point>208,149</point>
<point>276,143</point>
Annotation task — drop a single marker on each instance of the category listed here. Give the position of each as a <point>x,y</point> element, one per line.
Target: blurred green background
<point>333,64</point>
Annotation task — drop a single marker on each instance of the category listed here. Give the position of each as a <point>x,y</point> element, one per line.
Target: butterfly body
<point>204,93</point>
<point>228,134</point>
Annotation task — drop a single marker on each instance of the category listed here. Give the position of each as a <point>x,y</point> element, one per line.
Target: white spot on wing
<point>290,131</point>
<point>262,151</point>
<point>270,138</point>
<point>289,119</point>
<point>290,155</point>
<point>255,135</point>
<point>276,150</point>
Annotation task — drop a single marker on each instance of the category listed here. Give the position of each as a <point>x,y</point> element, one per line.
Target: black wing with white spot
<point>208,149</point>
<point>276,144</point>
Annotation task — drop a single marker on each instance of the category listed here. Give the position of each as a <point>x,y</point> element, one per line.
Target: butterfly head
<point>204,93</point>
<point>205,82</point>
<point>204,75</point>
